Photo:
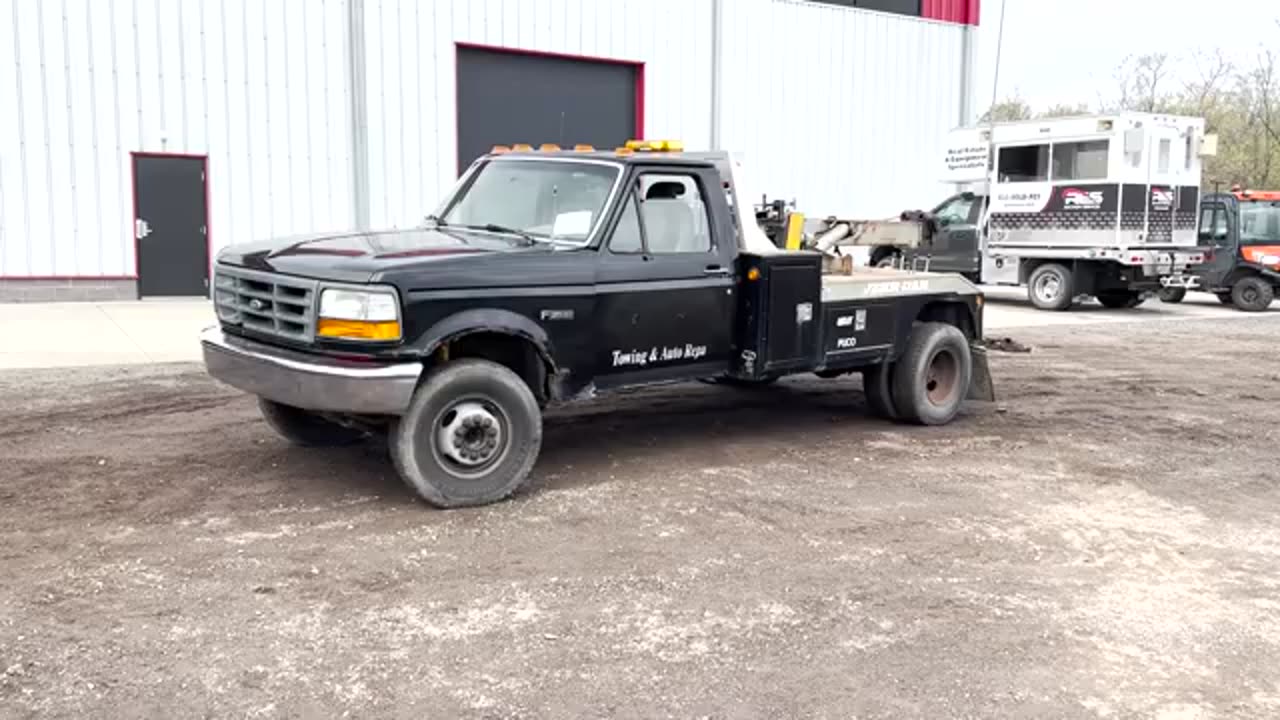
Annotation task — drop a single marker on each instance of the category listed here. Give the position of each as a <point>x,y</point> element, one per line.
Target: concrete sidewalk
<point>130,332</point>
<point>48,335</point>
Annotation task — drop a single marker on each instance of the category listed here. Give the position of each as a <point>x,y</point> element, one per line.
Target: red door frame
<point>208,227</point>
<point>637,65</point>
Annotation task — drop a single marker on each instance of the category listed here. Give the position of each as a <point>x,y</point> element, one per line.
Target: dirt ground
<point>1103,543</point>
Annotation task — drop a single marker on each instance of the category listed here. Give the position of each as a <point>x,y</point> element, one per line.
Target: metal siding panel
<point>888,86</point>
<point>83,92</point>
<point>413,143</point>
<point>124,101</point>
<point>217,122</point>
<point>50,251</point>
<point>14,187</point>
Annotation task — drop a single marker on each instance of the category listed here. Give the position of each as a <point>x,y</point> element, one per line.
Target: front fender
<point>470,322</point>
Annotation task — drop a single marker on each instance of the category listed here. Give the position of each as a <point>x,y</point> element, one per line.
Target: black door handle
<point>715,270</point>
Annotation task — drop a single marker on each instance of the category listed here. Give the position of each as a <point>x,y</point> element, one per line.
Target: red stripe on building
<point>956,11</point>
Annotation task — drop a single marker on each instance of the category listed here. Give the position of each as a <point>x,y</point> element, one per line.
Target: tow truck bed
<point>793,318</point>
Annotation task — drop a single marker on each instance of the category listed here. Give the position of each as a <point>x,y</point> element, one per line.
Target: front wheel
<point>1172,295</point>
<point>932,378</point>
<point>304,428</point>
<point>470,437</point>
<point>1051,287</point>
<point>1252,294</point>
<point>1117,299</point>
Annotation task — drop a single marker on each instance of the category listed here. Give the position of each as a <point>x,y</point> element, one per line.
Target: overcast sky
<point>1064,51</point>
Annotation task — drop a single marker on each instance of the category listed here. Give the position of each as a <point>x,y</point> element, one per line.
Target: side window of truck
<point>674,215</point>
<point>672,218</point>
<point>955,212</point>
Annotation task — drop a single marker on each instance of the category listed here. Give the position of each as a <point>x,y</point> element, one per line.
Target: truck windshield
<point>544,199</point>
<point>1260,222</point>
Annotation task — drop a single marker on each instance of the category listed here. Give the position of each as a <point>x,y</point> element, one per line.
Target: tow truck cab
<point>546,276</point>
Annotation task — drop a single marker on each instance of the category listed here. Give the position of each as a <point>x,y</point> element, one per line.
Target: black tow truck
<point>548,276</point>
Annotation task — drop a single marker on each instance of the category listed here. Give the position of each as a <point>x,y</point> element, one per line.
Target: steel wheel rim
<point>470,436</point>
<point>1048,287</point>
<point>941,377</point>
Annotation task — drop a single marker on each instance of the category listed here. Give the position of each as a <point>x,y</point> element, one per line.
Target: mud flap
<point>981,386</point>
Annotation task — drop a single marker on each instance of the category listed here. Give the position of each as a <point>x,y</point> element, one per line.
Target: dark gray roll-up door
<point>507,97</point>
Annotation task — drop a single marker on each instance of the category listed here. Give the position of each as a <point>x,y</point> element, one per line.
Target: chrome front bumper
<point>307,381</point>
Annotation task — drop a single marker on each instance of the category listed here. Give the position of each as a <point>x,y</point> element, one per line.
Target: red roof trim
<point>965,12</point>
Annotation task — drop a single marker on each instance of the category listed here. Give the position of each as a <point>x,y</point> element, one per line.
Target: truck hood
<point>360,257</point>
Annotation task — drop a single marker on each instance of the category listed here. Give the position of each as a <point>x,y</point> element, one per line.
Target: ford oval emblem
<point>256,304</point>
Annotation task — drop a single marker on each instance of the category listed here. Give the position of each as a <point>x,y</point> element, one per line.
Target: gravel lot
<point>1103,543</point>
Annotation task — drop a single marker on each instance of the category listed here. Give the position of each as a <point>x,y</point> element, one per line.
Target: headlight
<point>358,315</point>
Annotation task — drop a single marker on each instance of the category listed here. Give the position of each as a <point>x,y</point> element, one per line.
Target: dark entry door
<point>170,225</point>
<point>506,98</point>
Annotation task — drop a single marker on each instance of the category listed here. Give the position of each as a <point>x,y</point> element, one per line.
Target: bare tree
<point>1213,72</point>
<point>1140,81</point>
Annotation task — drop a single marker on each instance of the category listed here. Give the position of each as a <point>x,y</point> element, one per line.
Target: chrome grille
<point>266,303</point>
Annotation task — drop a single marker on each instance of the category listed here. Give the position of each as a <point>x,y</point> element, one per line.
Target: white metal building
<point>138,137</point>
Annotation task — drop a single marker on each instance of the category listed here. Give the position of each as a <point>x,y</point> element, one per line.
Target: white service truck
<point>1098,205</point>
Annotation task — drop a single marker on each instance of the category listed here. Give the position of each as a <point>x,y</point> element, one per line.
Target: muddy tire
<point>877,385</point>
<point>1172,295</point>
<point>931,379</point>
<point>1051,287</point>
<point>1252,294</point>
<point>470,437</point>
<point>1120,299</point>
<point>306,429</point>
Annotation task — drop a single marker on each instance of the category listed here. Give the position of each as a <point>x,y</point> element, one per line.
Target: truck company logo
<point>1076,199</point>
<point>655,355</point>
<point>1161,199</point>
<point>846,343</point>
<point>257,304</point>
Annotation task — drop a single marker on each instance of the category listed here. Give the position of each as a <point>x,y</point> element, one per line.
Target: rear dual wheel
<point>928,384</point>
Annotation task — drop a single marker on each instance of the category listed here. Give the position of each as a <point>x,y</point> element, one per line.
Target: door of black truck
<point>665,284</point>
<point>955,246</point>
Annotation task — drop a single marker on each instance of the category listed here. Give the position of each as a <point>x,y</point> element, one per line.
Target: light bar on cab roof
<point>658,145</point>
